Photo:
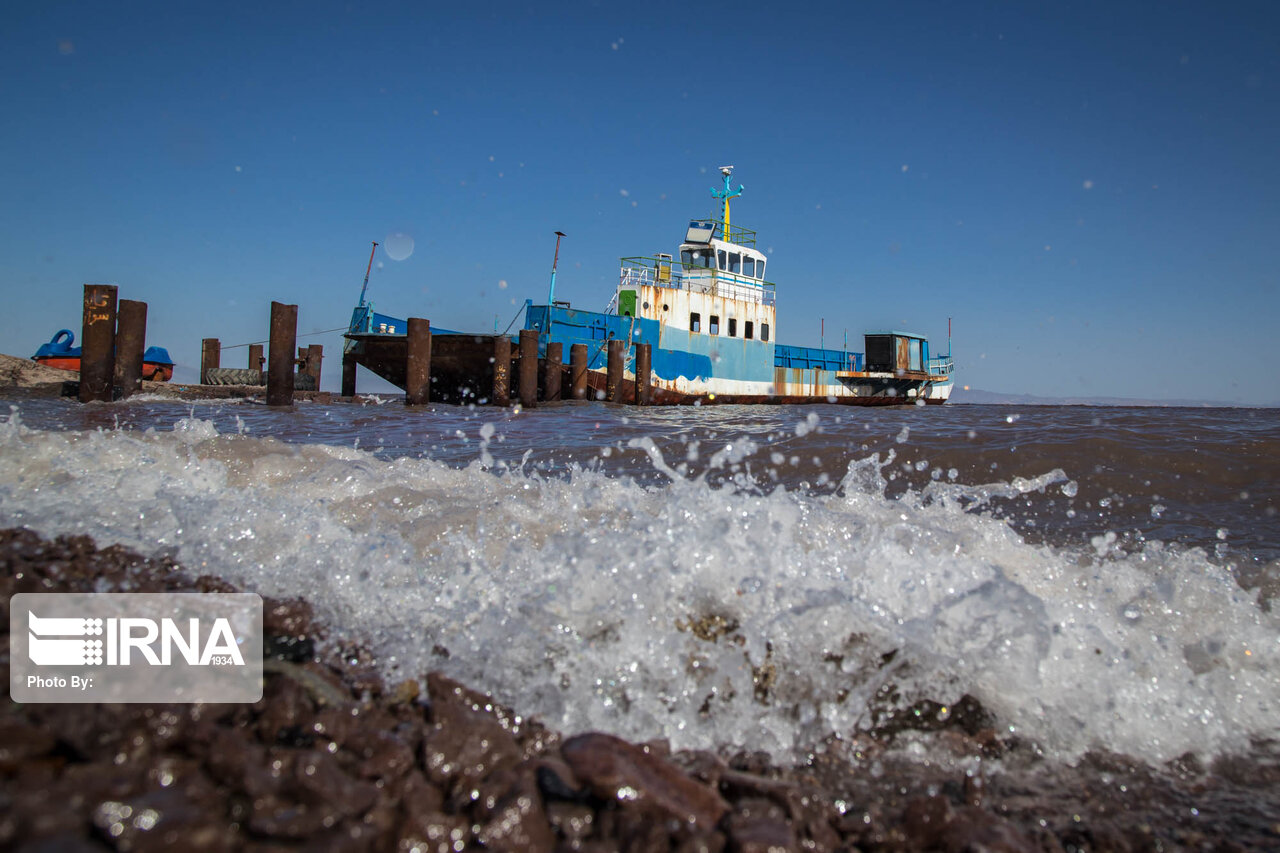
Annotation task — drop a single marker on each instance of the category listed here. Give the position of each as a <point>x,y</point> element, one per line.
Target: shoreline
<point>332,756</point>
<point>25,378</point>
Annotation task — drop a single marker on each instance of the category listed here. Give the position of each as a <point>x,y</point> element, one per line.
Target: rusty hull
<point>462,371</point>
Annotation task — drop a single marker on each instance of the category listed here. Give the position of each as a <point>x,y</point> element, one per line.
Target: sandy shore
<point>333,758</point>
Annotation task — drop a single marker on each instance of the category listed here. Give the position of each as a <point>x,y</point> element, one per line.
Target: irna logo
<point>135,647</point>
<point>63,641</point>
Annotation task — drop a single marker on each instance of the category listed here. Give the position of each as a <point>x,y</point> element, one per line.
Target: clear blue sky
<point>1091,190</point>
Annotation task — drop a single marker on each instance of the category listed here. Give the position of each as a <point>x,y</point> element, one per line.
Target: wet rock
<point>467,741</point>
<point>759,826</point>
<point>435,832</point>
<point>573,822</point>
<point>382,755</point>
<point>331,759</point>
<point>618,771</point>
<point>321,779</point>
<point>20,742</point>
<point>932,823</point>
<point>517,821</point>
<point>557,782</point>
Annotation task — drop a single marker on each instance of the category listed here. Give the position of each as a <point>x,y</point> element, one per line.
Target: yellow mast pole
<point>726,194</point>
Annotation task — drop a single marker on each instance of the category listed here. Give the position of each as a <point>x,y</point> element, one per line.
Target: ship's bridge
<point>707,246</point>
<point>709,263</point>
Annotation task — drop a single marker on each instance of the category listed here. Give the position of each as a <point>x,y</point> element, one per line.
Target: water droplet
<point>398,246</point>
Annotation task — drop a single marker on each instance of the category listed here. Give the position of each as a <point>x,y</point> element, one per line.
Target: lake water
<point>779,577</point>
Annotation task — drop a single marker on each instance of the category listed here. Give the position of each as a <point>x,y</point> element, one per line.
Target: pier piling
<point>644,388</point>
<point>131,336</point>
<point>97,342</point>
<point>348,374</point>
<point>417,388</point>
<point>578,371</point>
<point>210,358</point>
<point>284,339</point>
<point>501,371</point>
<point>315,361</point>
<point>255,357</point>
<point>528,368</point>
<point>553,368</point>
<point>613,378</point>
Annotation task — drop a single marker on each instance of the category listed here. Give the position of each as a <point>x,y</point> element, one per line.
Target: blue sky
<point>1090,190</point>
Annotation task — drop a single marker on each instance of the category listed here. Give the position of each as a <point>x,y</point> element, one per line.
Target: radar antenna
<point>726,194</point>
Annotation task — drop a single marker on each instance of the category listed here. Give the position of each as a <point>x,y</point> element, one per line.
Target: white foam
<point>576,599</point>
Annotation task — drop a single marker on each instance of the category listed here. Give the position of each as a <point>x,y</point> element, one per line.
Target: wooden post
<point>528,368</point>
<point>98,343</point>
<point>417,386</point>
<point>255,357</point>
<point>578,371</point>
<point>348,374</point>
<point>552,370</point>
<point>644,358</point>
<point>613,377</point>
<point>284,339</point>
<point>131,336</point>
<point>210,357</point>
<point>501,371</point>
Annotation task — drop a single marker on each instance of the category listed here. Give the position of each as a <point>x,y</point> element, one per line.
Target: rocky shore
<point>22,377</point>
<point>332,758</point>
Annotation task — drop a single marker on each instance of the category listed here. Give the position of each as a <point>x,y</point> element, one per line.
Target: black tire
<point>233,376</point>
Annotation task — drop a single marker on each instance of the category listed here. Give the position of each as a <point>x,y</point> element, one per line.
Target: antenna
<point>726,194</point>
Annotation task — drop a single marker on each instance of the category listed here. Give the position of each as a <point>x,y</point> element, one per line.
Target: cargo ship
<point>697,326</point>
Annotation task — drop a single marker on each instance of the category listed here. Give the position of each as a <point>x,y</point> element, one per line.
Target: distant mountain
<point>977,396</point>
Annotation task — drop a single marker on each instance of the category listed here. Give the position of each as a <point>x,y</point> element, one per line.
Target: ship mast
<point>726,194</point>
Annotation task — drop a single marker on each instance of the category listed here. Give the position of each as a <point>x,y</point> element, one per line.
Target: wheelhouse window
<point>760,268</point>
<point>695,322</point>
<point>747,329</point>
<point>733,327</point>
<point>749,266</point>
<point>764,331</point>
<point>735,262</point>
<point>722,255</point>
<point>713,328</point>
<point>696,257</point>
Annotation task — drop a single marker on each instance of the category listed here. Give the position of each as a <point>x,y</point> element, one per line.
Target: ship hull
<point>462,372</point>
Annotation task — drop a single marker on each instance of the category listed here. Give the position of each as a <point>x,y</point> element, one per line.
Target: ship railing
<point>940,365</point>
<point>662,272</point>
<point>733,234</point>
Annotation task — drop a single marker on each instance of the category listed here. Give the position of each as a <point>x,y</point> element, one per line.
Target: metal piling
<point>131,336</point>
<point>552,369</point>
<point>644,388</point>
<point>348,374</point>
<point>578,371</point>
<point>417,387</point>
<point>501,371</point>
<point>613,377</point>
<point>210,358</point>
<point>528,368</point>
<point>97,343</point>
<point>315,361</point>
<point>284,338</point>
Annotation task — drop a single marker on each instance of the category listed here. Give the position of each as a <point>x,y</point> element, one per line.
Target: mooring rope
<point>307,335</point>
